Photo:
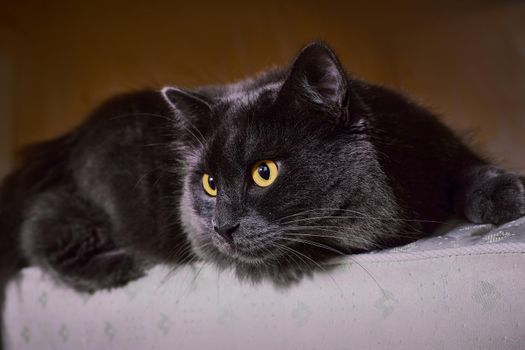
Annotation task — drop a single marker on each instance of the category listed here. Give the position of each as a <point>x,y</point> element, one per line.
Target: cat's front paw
<point>497,200</point>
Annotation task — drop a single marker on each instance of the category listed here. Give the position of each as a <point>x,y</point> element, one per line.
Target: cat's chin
<point>255,257</point>
<point>249,260</point>
<point>242,255</point>
<point>245,257</point>
<point>256,265</point>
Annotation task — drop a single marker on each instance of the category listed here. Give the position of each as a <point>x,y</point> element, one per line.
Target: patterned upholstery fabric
<point>461,289</point>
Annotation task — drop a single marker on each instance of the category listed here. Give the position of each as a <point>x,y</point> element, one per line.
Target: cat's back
<point>113,138</point>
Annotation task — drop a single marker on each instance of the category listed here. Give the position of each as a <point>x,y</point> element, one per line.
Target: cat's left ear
<point>190,109</point>
<point>317,80</point>
<point>185,103</point>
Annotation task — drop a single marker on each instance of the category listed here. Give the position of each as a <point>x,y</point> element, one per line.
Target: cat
<point>270,176</point>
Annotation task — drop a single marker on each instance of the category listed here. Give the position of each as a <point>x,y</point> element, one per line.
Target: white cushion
<point>460,290</point>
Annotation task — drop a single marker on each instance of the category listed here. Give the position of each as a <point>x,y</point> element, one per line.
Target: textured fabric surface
<point>462,289</point>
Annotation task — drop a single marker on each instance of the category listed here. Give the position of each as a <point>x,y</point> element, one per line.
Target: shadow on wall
<point>6,115</point>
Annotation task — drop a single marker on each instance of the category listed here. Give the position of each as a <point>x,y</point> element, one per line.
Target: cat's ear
<point>190,109</point>
<point>185,104</point>
<point>317,80</point>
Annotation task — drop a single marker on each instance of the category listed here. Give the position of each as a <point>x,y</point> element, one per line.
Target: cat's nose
<point>226,231</point>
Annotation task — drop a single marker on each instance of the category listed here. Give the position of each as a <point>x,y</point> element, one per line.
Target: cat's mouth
<point>246,252</point>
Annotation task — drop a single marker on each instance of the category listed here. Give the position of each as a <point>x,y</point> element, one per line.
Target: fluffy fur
<point>361,167</point>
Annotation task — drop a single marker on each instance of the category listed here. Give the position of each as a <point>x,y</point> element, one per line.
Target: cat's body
<point>359,168</point>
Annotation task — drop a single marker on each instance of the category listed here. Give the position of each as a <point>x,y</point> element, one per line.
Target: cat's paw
<point>497,200</point>
<point>111,269</point>
<point>72,241</point>
<point>86,260</point>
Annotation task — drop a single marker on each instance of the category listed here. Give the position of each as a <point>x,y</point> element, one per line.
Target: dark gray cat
<point>270,176</point>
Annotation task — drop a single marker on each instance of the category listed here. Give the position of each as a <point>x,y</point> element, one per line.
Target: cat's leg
<point>488,194</point>
<point>71,239</point>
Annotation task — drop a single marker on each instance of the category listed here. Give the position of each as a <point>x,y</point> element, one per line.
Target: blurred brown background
<point>58,59</point>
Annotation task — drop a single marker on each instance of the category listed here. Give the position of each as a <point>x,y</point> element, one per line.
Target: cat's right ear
<point>190,109</point>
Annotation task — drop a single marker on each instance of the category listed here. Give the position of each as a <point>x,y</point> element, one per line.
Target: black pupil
<point>211,182</point>
<point>264,171</point>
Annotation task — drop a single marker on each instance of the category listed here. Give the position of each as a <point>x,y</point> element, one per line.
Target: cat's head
<point>281,171</point>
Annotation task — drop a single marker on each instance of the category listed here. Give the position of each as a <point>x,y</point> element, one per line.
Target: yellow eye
<point>264,172</point>
<point>209,185</point>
